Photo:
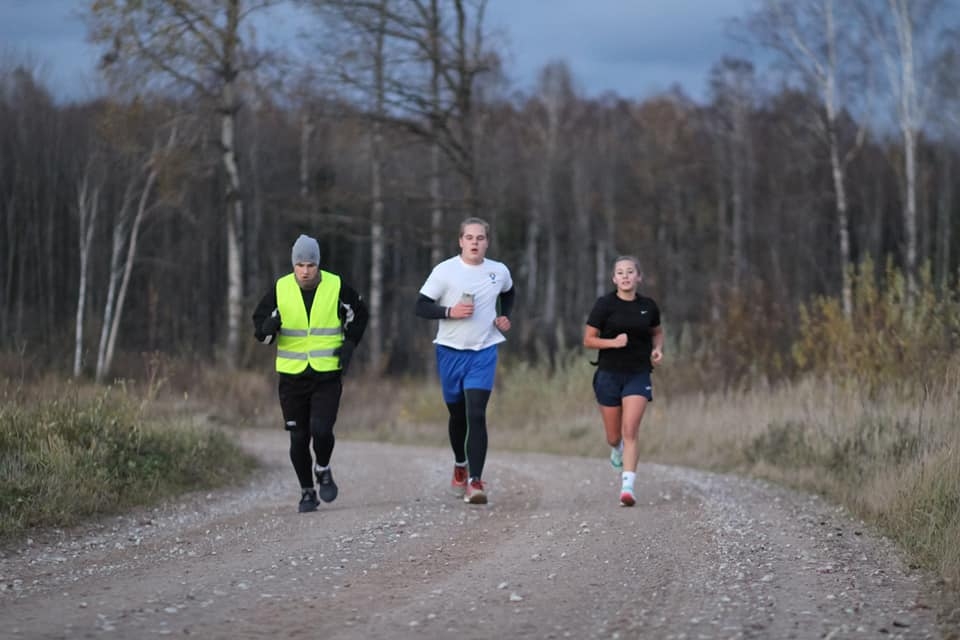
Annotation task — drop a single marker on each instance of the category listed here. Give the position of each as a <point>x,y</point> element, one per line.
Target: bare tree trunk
<point>605,240</point>
<point>464,100</point>
<point>723,229</point>
<point>547,338</point>
<point>377,254</point>
<point>738,197</point>
<point>579,295</point>
<point>128,265</point>
<point>126,234</point>
<point>903,67</point>
<point>307,129</point>
<point>732,84</point>
<point>436,206</point>
<point>805,34</point>
<point>909,112</point>
<point>532,259</point>
<point>9,269</point>
<point>253,228</point>
<point>87,207</point>
<point>436,202</point>
<point>606,245</point>
<point>116,249</point>
<point>829,83</point>
<point>910,210</point>
<point>944,207</point>
<point>234,199</point>
<point>197,46</point>
<point>377,249</point>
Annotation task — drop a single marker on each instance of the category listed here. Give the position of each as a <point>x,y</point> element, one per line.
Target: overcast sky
<point>634,48</point>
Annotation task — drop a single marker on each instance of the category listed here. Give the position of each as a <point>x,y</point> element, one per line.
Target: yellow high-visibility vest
<point>301,342</point>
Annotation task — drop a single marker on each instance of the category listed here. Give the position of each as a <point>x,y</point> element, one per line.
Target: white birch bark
<point>88,205</point>
<point>897,33</point>
<point>377,239</point>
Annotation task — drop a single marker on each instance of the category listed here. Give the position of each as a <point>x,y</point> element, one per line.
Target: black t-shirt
<point>613,316</point>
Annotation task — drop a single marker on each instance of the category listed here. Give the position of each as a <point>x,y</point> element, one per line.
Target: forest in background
<point>152,218</point>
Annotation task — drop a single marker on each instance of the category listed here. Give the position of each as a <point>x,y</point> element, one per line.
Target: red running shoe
<point>627,499</point>
<point>459,481</point>
<point>475,493</point>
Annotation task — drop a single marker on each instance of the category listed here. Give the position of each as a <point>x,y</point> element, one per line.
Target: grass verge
<point>87,452</point>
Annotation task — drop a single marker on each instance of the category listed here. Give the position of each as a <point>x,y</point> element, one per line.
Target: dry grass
<point>890,459</point>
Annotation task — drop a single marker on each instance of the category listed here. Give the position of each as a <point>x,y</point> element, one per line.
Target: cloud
<point>634,47</point>
<point>49,37</point>
<point>631,47</point>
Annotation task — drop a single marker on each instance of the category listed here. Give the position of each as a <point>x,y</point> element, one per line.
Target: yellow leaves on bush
<point>891,335</point>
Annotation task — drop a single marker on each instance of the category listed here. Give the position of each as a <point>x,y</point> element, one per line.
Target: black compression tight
<point>468,429</point>
<point>310,411</point>
<point>321,433</point>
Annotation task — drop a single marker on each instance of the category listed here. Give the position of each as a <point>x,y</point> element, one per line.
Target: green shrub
<point>71,458</point>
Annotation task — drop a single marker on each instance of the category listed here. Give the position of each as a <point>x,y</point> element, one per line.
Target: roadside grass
<point>70,452</point>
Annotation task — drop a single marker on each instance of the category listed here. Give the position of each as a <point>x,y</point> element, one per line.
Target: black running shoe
<point>308,501</point>
<point>327,488</point>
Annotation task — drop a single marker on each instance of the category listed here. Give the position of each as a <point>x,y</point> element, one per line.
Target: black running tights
<point>309,412</point>
<point>468,429</point>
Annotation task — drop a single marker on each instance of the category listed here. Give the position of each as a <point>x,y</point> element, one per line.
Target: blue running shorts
<point>465,369</point>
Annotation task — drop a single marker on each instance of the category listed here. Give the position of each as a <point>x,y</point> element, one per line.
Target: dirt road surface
<point>396,556</point>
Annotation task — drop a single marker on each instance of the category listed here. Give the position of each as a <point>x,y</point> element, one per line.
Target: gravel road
<point>397,556</point>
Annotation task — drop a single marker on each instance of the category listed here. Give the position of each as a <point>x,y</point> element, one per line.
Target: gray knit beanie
<point>305,249</point>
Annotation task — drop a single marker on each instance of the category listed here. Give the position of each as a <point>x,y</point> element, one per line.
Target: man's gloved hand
<point>345,352</point>
<point>272,324</point>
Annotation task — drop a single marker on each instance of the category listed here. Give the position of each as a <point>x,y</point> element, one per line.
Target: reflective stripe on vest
<point>301,342</point>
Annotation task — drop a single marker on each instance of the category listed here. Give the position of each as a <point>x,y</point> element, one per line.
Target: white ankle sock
<point>628,478</point>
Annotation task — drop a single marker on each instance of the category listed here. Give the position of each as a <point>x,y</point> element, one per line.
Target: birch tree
<point>355,45</point>
<point>413,63</point>
<point>137,202</point>
<point>198,46</point>
<point>902,31</point>
<point>87,208</point>
<point>803,33</point>
<point>551,127</point>
<point>377,158</point>
<point>732,85</point>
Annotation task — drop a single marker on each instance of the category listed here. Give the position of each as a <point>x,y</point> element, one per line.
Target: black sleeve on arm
<point>266,306</point>
<point>354,314</point>
<point>505,303</point>
<point>429,309</point>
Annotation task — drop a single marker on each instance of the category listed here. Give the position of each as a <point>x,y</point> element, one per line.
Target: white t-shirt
<point>486,281</point>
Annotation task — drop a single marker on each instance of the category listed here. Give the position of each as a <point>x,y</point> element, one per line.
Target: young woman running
<point>625,327</point>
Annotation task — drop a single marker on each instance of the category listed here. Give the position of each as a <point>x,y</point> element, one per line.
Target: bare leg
<point>612,420</point>
<point>633,408</point>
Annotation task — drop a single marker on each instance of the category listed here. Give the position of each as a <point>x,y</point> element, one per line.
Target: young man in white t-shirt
<point>472,297</point>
